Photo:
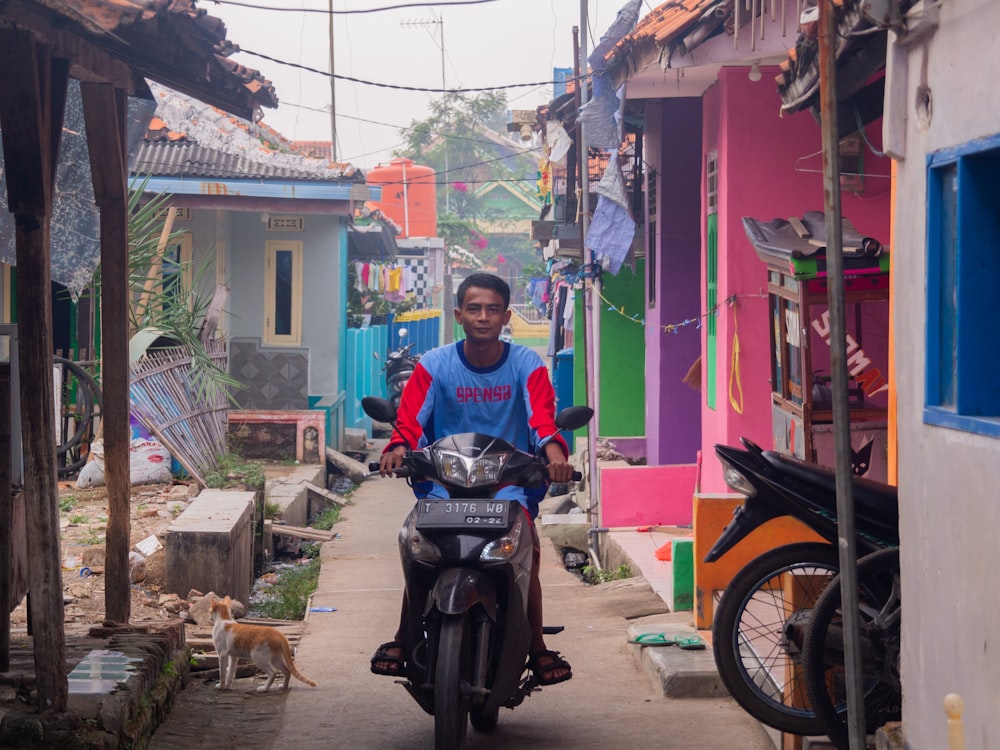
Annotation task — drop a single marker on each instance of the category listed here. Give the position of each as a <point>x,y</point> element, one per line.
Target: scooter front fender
<point>747,517</point>
<point>457,590</point>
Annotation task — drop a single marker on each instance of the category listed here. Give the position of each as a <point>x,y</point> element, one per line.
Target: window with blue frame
<point>963,282</point>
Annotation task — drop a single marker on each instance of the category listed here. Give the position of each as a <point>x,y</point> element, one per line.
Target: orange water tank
<point>409,196</point>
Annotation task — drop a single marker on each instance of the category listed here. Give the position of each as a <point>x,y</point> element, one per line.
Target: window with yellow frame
<point>283,293</point>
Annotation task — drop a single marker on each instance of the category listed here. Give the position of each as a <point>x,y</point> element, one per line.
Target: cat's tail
<point>290,665</point>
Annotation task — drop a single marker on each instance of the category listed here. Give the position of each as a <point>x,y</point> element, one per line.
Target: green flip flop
<point>691,643</point>
<point>688,643</point>
<point>653,639</point>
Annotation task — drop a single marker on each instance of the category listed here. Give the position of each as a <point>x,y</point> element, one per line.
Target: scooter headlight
<point>421,548</point>
<point>736,481</point>
<point>506,546</point>
<point>464,471</point>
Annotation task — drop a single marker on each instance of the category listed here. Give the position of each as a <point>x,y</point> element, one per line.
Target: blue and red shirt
<point>446,395</point>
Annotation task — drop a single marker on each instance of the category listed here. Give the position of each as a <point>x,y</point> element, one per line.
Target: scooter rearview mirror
<point>574,417</point>
<point>379,409</point>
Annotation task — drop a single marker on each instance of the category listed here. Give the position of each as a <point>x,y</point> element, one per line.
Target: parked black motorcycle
<point>764,616</point>
<point>467,564</point>
<point>398,367</point>
<point>878,637</point>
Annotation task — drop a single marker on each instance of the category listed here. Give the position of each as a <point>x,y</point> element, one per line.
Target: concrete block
<point>678,673</point>
<point>291,494</point>
<point>309,426</point>
<point>682,566</point>
<point>355,439</point>
<point>209,547</point>
<point>566,529</point>
<point>711,515</point>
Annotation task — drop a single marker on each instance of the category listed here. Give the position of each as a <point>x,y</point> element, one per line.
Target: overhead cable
<point>349,12</point>
<point>406,88</point>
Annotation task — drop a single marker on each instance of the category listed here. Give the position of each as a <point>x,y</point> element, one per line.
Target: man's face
<point>482,314</point>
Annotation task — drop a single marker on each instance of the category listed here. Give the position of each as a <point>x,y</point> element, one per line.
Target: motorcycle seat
<point>876,500</point>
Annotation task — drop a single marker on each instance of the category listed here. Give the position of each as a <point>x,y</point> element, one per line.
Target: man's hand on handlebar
<point>391,460</point>
<point>560,470</point>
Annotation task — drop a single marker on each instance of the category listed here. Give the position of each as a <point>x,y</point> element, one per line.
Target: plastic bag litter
<point>148,460</point>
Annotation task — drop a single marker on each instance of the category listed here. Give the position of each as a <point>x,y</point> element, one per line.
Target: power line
<point>349,12</point>
<point>439,134</point>
<point>407,88</point>
<point>429,131</point>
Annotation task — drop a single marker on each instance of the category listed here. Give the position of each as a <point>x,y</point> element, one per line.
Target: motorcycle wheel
<point>81,403</point>
<point>752,653</point>
<point>484,721</point>
<point>823,650</point>
<point>451,706</point>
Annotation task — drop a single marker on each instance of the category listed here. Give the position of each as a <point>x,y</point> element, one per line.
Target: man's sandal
<point>396,662</point>
<point>545,664</point>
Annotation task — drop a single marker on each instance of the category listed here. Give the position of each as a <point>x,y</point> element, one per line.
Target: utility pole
<point>439,21</point>
<point>838,370</point>
<point>333,96</point>
<point>591,311</point>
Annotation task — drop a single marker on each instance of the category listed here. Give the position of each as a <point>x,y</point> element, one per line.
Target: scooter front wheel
<point>757,661</point>
<point>451,704</point>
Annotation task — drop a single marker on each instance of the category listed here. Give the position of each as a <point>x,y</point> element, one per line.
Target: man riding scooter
<point>482,384</point>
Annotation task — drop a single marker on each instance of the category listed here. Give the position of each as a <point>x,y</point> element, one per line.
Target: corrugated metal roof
<point>860,55</point>
<point>184,158</point>
<point>171,41</point>
<point>675,27</point>
<point>188,138</point>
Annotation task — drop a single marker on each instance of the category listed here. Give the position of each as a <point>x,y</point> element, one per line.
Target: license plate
<point>463,514</point>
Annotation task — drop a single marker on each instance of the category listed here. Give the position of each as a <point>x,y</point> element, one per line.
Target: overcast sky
<point>486,44</point>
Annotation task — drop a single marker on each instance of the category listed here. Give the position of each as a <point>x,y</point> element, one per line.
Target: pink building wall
<point>769,167</point>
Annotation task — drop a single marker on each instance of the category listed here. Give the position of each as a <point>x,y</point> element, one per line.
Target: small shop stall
<point>801,402</point>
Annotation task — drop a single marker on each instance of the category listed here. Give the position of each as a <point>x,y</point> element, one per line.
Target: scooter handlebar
<point>374,466</point>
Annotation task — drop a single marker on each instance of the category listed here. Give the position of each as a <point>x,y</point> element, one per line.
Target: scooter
<point>398,367</point>
<point>467,565</point>
<point>762,621</point>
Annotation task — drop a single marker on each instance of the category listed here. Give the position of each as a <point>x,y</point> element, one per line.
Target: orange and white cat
<point>265,645</point>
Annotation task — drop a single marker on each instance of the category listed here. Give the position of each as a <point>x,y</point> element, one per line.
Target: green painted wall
<point>622,357</point>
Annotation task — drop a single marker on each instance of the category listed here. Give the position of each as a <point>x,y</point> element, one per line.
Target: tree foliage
<point>451,142</point>
<point>459,141</point>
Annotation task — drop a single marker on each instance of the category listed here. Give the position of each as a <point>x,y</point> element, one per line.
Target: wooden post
<point>32,102</point>
<point>6,517</point>
<point>104,111</point>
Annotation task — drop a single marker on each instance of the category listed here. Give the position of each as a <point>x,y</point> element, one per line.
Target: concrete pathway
<point>611,702</point>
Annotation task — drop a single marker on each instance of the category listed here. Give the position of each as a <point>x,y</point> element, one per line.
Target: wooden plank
<point>822,243</point>
<point>326,495</point>
<point>799,227</point>
<point>300,532</point>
